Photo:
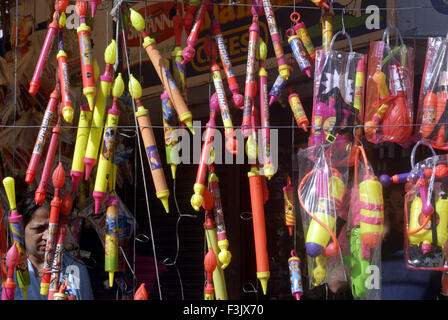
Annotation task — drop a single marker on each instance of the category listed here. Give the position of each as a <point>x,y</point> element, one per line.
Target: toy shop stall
<point>223,150</point>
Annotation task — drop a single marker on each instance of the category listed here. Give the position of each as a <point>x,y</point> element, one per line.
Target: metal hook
<point>355,136</point>
<point>246,216</point>
<point>142,238</point>
<point>343,24</point>
<point>252,290</point>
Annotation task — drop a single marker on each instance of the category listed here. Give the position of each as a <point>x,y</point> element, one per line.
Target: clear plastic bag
<point>432,118</point>
<point>321,192</point>
<point>389,96</point>
<point>338,100</point>
<point>426,213</point>
<point>365,228</point>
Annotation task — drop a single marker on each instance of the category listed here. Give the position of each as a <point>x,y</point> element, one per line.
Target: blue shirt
<point>73,270</point>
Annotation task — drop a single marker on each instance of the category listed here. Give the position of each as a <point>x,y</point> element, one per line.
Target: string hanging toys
<point>18,236</point>
<point>389,95</point>
<point>54,26</point>
<point>144,123</point>
<point>85,52</point>
<point>90,157</point>
<point>365,227</point>
<point>164,74</point>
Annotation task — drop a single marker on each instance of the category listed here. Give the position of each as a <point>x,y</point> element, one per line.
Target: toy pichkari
<point>9,286</point>
<point>90,158</point>
<point>105,162</point>
<point>326,19</point>
<point>188,52</point>
<point>144,123</point>
<point>55,25</point>
<point>58,183</point>
<point>170,122</point>
<point>17,235</point>
<point>298,111</point>
<point>295,276</point>
<point>301,31</point>
<point>164,74</point>
<point>300,53</point>
<point>47,122</point>
<point>64,84</point>
<point>111,225</point>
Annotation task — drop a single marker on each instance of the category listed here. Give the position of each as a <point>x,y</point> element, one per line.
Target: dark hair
<point>27,206</point>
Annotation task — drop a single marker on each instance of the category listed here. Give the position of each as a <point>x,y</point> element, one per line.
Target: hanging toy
<point>188,52</point>
<point>58,179</point>
<point>298,111</point>
<point>17,235</point>
<point>111,225</point>
<point>170,133</point>
<point>104,170</point>
<point>189,17</point>
<point>303,34</point>
<point>85,52</point>
<point>206,155</point>
<point>288,197</point>
<point>327,28</point>
<point>164,74</point>
<point>59,9</point>
<point>299,52</point>
<point>295,275</point>
<point>47,121</point>
<point>64,84</point>
<point>66,208</point>
<point>277,88</point>
<point>210,266</point>
<point>149,141</point>
<point>90,158</point>
<point>9,286</point>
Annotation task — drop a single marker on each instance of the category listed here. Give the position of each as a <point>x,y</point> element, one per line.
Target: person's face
<point>36,233</point>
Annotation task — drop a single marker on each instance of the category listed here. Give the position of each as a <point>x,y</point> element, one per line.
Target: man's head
<point>35,225</point>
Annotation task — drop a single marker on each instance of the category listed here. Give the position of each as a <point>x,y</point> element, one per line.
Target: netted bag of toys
<point>426,213</point>
<point>321,192</point>
<point>365,227</point>
<point>390,86</point>
<point>432,117</point>
<point>338,97</point>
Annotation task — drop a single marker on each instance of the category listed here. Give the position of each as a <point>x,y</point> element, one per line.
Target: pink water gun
<point>188,52</point>
<point>9,286</point>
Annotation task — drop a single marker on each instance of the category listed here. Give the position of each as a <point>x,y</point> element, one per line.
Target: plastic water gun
<point>56,203</point>
<point>170,133</point>
<point>224,254</point>
<point>66,208</point>
<point>9,286</point>
<point>144,123</point>
<point>111,239</point>
<point>47,121</point>
<point>63,74</point>
<point>93,5</point>
<point>59,8</point>
<point>295,275</point>
<point>283,68</point>
<point>210,266</point>
<point>90,158</point>
<point>299,51</point>
<point>141,293</point>
<point>329,190</point>
<point>164,74</point>
<point>82,134</point>
<point>237,98</point>
<point>250,88</point>
<point>257,203</point>
<point>302,32</point>
<point>326,19</point>
<point>298,111</point>
<point>18,236</point>
<point>107,149</point>
<point>188,52</point>
<point>85,52</point>
<point>277,88</point>
<point>288,197</point>
<point>206,155</point>
<point>41,191</point>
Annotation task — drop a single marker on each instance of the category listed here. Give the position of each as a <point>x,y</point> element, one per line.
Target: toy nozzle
<point>189,125</point>
<point>173,170</point>
<point>111,279</point>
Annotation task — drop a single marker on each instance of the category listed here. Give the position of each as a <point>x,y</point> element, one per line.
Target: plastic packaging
<point>389,97</point>
<point>426,213</point>
<point>336,106</point>
<point>432,116</point>
<point>321,190</point>
<point>365,229</point>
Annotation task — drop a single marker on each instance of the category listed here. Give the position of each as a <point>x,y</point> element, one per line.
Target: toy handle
<point>343,33</point>
<point>295,17</point>
<point>386,35</point>
<point>290,32</point>
<point>415,149</point>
